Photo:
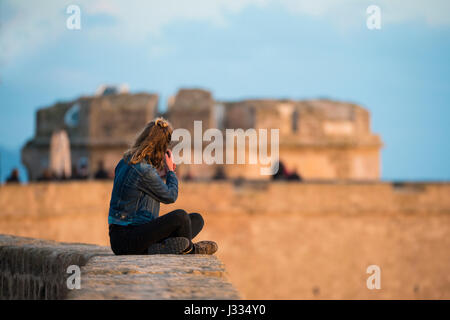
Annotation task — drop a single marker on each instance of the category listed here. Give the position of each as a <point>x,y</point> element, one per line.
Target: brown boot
<point>205,247</point>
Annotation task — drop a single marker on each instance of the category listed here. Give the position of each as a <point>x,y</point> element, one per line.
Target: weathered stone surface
<point>36,269</point>
<point>154,277</point>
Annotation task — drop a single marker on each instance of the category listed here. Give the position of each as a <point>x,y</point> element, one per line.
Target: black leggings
<point>137,239</point>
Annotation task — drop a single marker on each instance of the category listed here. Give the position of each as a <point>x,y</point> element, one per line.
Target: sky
<point>241,49</point>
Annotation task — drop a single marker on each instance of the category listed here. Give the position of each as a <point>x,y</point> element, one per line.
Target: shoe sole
<point>174,245</point>
<point>206,247</point>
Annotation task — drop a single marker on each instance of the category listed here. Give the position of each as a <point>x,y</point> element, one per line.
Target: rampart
<point>38,269</point>
<point>282,240</point>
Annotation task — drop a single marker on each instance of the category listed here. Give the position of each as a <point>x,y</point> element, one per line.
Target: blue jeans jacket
<point>138,189</point>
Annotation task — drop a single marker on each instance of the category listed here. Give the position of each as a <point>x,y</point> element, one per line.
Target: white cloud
<point>27,28</point>
<point>33,24</point>
<point>432,12</point>
<point>144,17</point>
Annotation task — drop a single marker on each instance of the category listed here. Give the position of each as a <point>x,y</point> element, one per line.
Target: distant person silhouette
<point>219,174</point>
<point>46,175</point>
<point>294,176</point>
<point>284,174</point>
<point>188,176</point>
<point>74,173</point>
<point>101,173</point>
<point>83,171</point>
<point>281,174</point>
<point>13,177</point>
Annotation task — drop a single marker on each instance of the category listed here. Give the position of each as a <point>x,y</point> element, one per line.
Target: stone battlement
<point>37,269</point>
<point>322,139</point>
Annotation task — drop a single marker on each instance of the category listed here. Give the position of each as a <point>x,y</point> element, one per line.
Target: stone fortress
<point>319,139</point>
<point>100,128</point>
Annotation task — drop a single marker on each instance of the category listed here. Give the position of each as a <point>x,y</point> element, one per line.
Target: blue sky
<point>241,49</point>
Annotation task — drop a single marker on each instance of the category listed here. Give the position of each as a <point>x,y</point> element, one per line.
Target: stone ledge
<point>36,269</point>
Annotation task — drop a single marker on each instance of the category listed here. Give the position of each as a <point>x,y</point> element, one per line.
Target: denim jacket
<point>138,189</point>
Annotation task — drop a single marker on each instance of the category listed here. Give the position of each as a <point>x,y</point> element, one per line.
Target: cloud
<point>435,12</point>
<point>432,12</point>
<point>24,28</point>
<point>27,26</point>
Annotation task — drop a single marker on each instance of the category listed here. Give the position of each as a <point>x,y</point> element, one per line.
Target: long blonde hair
<point>151,144</point>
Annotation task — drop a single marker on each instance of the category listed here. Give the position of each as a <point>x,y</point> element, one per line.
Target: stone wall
<point>278,240</point>
<point>40,200</point>
<point>37,269</point>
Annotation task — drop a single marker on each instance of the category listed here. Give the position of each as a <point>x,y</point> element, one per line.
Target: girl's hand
<point>169,161</point>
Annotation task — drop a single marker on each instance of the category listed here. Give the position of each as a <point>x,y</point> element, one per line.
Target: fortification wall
<point>278,240</point>
<point>37,269</point>
<point>41,200</point>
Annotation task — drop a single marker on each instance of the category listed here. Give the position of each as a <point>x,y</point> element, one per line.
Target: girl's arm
<point>152,184</point>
